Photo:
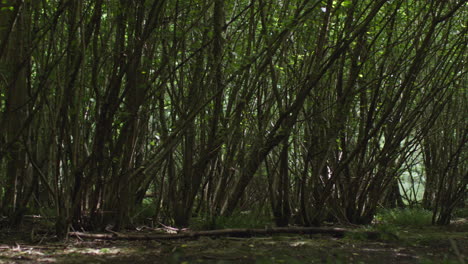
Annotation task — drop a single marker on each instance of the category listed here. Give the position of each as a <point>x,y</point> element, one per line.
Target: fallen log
<point>236,232</point>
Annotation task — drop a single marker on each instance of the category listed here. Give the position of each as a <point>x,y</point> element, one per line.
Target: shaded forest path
<point>414,245</point>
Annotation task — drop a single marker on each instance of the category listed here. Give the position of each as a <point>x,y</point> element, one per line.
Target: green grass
<point>413,217</point>
<point>390,222</point>
<point>239,220</point>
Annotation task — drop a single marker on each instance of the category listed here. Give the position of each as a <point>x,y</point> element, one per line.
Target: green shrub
<point>239,220</point>
<point>415,217</point>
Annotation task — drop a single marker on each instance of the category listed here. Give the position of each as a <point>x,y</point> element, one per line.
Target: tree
<point>15,69</point>
<point>310,110</point>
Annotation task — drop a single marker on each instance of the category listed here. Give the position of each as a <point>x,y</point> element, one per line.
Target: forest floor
<point>448,244</point>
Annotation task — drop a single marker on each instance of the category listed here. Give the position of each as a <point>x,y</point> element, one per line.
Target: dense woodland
<point>304,110</point>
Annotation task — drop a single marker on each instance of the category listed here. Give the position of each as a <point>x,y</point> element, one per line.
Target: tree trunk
<point>15,62</point>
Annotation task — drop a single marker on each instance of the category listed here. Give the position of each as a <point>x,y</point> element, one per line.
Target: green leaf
<point>346,3</point>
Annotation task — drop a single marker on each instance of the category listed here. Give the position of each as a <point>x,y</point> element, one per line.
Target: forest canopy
<point>304,111</point>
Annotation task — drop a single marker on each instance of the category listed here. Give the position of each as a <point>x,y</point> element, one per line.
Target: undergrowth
<point>407,217</point>
<point>244,219</point>
<point>461,213</point>
<point>389,223</point>
<point>239,220</point>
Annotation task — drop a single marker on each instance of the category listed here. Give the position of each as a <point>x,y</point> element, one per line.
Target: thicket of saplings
<point>386,219</point>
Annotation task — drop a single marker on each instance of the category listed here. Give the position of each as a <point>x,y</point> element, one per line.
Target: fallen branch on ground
<point>237,232</point>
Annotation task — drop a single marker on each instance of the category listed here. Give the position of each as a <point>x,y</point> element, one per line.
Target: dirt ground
<point>410,245</point>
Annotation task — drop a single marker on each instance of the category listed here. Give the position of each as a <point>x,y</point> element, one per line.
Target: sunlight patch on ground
<point>101,251</point>
<point>298,243</point>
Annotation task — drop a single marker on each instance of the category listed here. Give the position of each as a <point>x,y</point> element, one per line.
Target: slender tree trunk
<point>14,34</point>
